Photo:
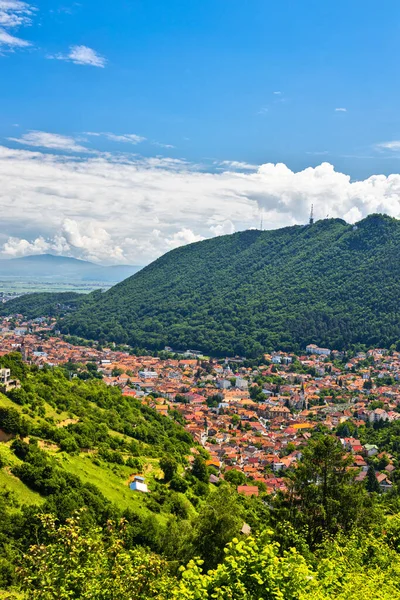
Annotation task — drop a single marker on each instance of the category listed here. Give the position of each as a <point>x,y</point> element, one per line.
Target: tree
<point>218,522</point>
<point>116,372</point>
<point>89,565</point>
<point>322,493</point>
<point>235,477</point>
<point>169,466</point>
<point>199,469</point>
<point>372,484</point>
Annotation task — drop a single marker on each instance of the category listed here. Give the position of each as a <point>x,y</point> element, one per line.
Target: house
<point>223,384</point>
<point>248,490</point>
<point>138,485</point>
<point>384,483</point>
<point>148,374</point>
<point>371,449</point>
<point>313,349</point>
<point>241,384</point>
<point>378,415</point>
<point>6,383</point>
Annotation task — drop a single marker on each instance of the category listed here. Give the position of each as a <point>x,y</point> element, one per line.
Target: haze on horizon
<point>133,128</point>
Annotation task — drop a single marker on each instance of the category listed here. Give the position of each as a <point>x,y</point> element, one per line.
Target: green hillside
<point>331,283</point>
<point>43,303</point>
<point>77,444</point>
<point>70,527</point>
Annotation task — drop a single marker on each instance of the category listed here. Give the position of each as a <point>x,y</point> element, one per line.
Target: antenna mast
<point>261,219</point>
<point>312,215</point>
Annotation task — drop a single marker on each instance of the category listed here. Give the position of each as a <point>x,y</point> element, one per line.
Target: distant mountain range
<point>62,268</point>
<point>330,283</point>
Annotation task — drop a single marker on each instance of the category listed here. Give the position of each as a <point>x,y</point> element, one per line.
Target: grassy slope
<point>9,482</point>
<point>111,480</point>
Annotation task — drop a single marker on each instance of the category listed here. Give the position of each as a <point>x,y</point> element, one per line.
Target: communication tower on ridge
<point>312,215</point>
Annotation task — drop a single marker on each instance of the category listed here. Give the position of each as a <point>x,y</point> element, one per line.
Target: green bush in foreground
<point>96,566</point>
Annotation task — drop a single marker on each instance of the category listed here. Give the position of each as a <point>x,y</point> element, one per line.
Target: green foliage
<point>44,303</point>
<point>323,496</point>
<point>77,561</point>
<point>252,569</point>
<point>12,422</point>
<point>199,469</point>
<point>169,466</point>
<point>219,520</point>
<point>235,477</point>
<point>90,566</point>
<point>372,484</point>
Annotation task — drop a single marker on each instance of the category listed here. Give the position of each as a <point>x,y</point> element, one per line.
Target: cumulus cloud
<point>182,237</point>
<point>223,228</point>
<point>340,109</point>
<point>82,55</point>
<point>114,209</point>
<point>15,247</point>
<point>87,241</point>
<point>54,141</point>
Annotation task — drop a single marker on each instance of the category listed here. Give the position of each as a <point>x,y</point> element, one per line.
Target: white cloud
<point>340,109</point>
<point>393,145</point>
<point>9,42</point>
<point>82,55</point>
<point>115,209</point>
<point>182,237</point>
<point>277,93</point>
<point>14,13</point>
<point>15,247</point>
<point>54,141</point>
<point>161,145</point>
<point>224,228</point>
<point>129,138</point>
<point>238,165</point>
<point>88,241</point>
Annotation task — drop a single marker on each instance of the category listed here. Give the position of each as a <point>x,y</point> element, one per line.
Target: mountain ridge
<point>331,283</point>
<point>51,266</point>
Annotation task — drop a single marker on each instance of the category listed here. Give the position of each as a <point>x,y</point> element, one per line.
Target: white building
<point>138,485</point>
<point>242,384</point>
<point>223,384</point>
<point>313,349</point>
<point>5,375</point>
<point>148,374</point>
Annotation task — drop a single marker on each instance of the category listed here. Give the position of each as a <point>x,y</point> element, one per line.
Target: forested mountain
<point>330,283</point>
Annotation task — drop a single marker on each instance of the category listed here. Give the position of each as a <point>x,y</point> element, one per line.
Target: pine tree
<point>372,484</point>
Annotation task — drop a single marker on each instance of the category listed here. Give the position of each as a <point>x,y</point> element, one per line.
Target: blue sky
<point>205,83</point>
<point>201,75</point>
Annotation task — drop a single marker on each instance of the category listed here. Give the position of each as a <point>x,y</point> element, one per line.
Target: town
<point>250,419</point>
